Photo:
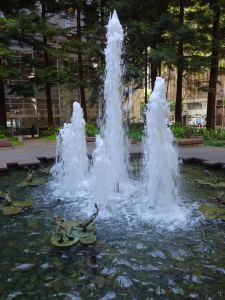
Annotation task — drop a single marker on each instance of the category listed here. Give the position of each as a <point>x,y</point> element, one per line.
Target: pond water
<point>145,261</point>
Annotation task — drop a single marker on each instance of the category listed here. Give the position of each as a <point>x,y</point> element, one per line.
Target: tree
<point>214,64</point>
<point>9,29</point>
<point>178,109</point>
<point>80,65</point>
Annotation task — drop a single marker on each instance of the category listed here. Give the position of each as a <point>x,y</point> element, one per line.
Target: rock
<point>23,267</point>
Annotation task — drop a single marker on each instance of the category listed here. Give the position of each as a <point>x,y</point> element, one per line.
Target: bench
<point>190,142</point>
<point>5,143</point>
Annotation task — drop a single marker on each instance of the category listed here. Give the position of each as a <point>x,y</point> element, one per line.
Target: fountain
<point>114,155</point>
<point>108,181</point>
<point>71,165</point>
<point>160,155</point>
<point>151,246</point>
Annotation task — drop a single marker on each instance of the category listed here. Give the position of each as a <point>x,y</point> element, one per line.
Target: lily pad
<point>212,183</point>
<point>58,240</point>
<point>222,217</point>
<point>69,224</point>
<point>34,182</point>
<point>91,239</point>
<point>10,209</point>
<point>78,232</point>
<point>15,207</point>
<point>210,216</point>
<point>212,212</point>
<point>210,209</point>
<point>75,225</point>
<point>24,203</point>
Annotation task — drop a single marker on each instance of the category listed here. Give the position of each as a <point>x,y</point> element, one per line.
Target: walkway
<point>35,150</point>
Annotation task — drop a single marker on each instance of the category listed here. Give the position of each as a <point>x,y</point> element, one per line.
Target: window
<point>194,105</point>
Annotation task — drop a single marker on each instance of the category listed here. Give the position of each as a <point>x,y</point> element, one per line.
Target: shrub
<point>182,131</point>
<point>50,131</point>
<point>4,132</point>
<point>216,143</point>
<point>91,129</point>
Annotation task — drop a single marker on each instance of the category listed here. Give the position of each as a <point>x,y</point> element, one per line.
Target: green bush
<point>50,131</point>
<point>216,143</point>
<point>182,131</point>
<point>135,133</point>
<point>91,129</point>
<point>3,132</point>
<point>213,134</point>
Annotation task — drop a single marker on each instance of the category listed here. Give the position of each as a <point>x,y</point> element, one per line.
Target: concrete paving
<point>35,150</point>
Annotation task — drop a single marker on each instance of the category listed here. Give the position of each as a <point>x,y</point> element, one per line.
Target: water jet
<point>146,247</point>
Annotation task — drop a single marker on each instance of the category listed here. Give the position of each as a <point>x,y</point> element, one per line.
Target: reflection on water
<point>136,262</point>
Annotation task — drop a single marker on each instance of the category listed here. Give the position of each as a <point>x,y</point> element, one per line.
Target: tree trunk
<point>178,107</point>
<point>47,86</point>
<point>214,62</point>
<point>146,76</point>
<point>153,74</point>
<point>3,119</point>
<point>49,105</point>
<point>80,70</point>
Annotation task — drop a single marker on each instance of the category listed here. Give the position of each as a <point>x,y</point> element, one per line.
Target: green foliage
<point>91,129</point>
<point>135,132</point>
<point>50,131</point>
<point>214,134</point>
<point>14,141</point>
<point>3,132</point>
<point>215,143</point>
<point>182,131</point>
<point>5,135</point>
<point>172,106</point>
<point>212,137</point>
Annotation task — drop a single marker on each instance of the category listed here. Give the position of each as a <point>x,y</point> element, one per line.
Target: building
<point>195,98</point>
<point>25,111</point>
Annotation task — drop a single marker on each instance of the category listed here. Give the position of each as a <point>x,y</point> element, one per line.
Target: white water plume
<point>112,126</point>
<point>152,199</point>
<point>161,166</point>
<point>71,167</point>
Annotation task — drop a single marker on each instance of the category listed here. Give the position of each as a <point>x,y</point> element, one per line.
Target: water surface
<point>135,259</point>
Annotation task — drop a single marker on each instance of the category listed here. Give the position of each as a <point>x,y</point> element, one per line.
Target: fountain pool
<point>134,260</point>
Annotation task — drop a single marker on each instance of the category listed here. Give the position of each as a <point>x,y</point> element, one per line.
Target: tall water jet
<point>112,125</point>
<point>161,165</point>
<point>71,166</point>
<point>101,174</point>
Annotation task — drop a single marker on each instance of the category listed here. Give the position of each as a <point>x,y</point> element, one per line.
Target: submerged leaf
<point>34,182</point>
<point>10,210</point>
<point>212,212</point>
<point>211,183</point>
<point>222,217</point>
<point>210,216</point>
<point>210,209</point>
<point>24,203</point>
<point>91,239</point>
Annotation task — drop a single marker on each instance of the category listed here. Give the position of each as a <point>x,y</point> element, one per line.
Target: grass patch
<point>49,137</point>
<point>215,143</point>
